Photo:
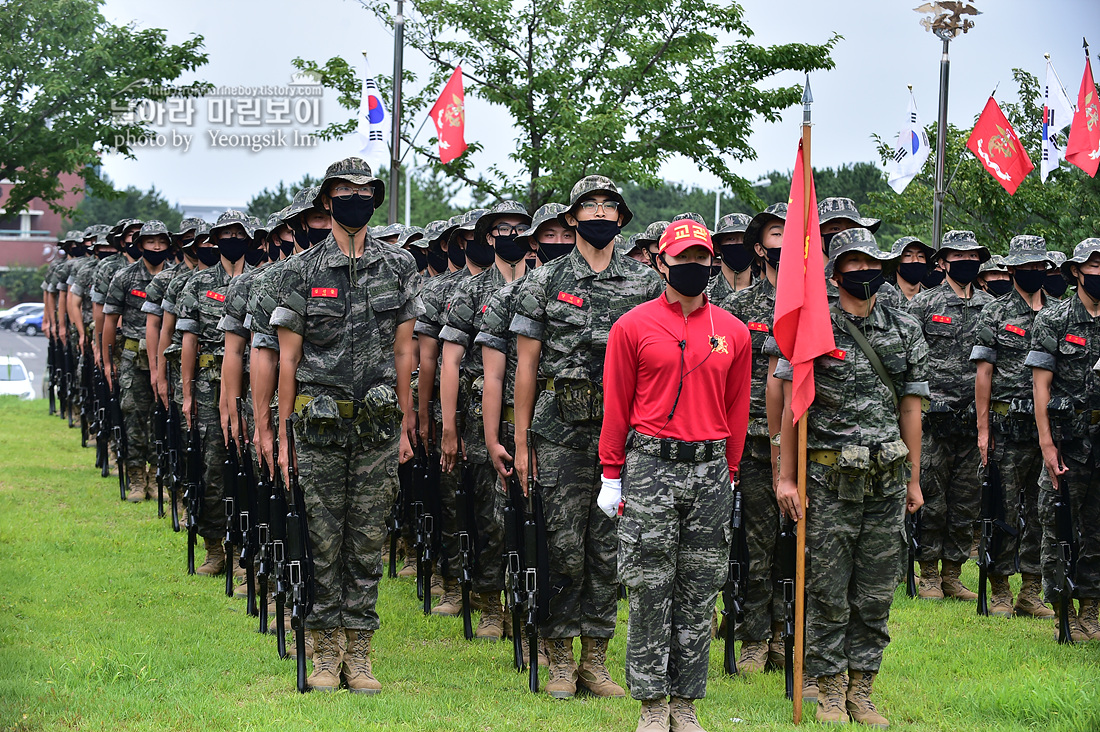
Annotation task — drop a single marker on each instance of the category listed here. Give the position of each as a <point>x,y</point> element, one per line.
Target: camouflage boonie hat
<point>74,237</point>
<point>859,239</point>
<point>732,223</point>
<point>115,233</point>
<point>259,229</point>
<point>545,212</point>
<point>1081,254</point>
<point>499,211</point>
<point>356,171</point>
<point>202,233</point>
<point>996,263</point>
<point>1056,257</point>
<point>652,233</point>
<point>303,201</point>
<point>692,216</point>
<point>231,217</point>
<point>591,184</point>
<point>99,232</point>
<point>844,208</point>
<point>387,231</point>
<point>152,228</point>
<point>1026,249</point>
<point>962,241</point>
<point>434,230</point>
<point>901,244</point>
<point>468,221</point>
<point>634,242</point>
<point>413,236</point>
<point>774,212</point>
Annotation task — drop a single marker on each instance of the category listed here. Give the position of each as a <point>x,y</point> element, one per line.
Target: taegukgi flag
<point>911,150</point>
<point>1057,114</point>
<point>372,119</point>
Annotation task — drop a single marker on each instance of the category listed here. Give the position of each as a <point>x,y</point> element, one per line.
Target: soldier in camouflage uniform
<point>564,313</point>
<point>122,309</point>
<point>1006,422</point>
<point>1056,284</point>
<point>80,283</point>
<point>346,355</point>
<point>121,236</point>
<point>649,238</point>
<point>863,473</point>
<point>494,240</point>
<point>202,253</point>
<point>755,306</point>
<point>738,258</point>
<point>674,475</point>
<point>948,315</point>
<point>1065,346</point>
<point>836,215</point>
<point>993,277</point>
<point>201,307</point>
<point>913,265</point>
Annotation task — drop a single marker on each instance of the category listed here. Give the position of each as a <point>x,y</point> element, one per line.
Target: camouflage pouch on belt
<point>893,466</point>
<point>319,422</point>
<point>850,477</point>
<point>579,400</point>
<point>379,419</point>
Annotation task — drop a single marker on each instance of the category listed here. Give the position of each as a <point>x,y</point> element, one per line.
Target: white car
<point>15,380</point>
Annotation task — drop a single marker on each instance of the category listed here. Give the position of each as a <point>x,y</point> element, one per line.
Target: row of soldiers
<point>476,344</point>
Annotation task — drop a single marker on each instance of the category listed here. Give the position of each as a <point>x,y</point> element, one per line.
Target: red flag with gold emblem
<point>449,116</point>
<point>998,149</point>
<point>1083,147</point>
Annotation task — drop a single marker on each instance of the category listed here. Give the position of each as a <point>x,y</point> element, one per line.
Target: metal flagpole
<point>408,192</point>
<point>395,136</point>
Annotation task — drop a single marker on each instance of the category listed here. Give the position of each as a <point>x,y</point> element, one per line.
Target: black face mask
<point>1030,280</point>
<point>208,255</point>
<point>457,255</point>
<point>133,251</point>
<point>827,239</point>
<point>1091,285</point>
<point>479,252</point>
<point>530,262</point>
<point>437,260</point>
<point>773,256</point>
<point>737,256</point>
<point>233,247</point>
<point>255,256</point>
<point>421,258</point>
<point>913,272</point>
<point>352,212</point>
<point>998,288</point>
<point>598,232</point>
<point>155,259</point>
<point>508,250</point>
<point>689,279</point>
<point>862,284</point>
<point>964,271</point>
<point>103,253</point>
<point>715,270</point>
<point>550,252</point>
<point>934,278</point>
<point>1055,284</point>
<point>78,251</point>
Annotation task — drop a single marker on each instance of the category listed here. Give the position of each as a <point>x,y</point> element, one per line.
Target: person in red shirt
<point>676,411</point>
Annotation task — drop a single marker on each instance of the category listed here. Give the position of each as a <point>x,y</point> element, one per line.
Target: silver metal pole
<point>717,207</point>
<point>395,136</point>
<point>408,192</point>
<point>941,147</point>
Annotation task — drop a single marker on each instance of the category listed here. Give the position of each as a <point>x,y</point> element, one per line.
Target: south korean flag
<point>372,120</point>
<point>911,150</point>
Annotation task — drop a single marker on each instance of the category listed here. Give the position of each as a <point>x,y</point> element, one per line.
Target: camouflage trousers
<point>211,522</point>
<point>488,511</point>
<point>855,551</point>
<point>1083,477</point>
<point>349,486</point>
<point>952,495</point>
<point>136,402</point>
<point>674,543</point>
<point>1021,463</point>
<point>763,599</point>
<point>581,543</point>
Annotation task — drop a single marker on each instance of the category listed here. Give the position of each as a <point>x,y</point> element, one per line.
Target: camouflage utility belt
<point>578,400</point>
<point>509,415</point>
<point>376,417</point>
<point>676,451</point>
<point>850,470</point>
<point>1015,419</point>
<point>131,344</point>
<point>943,420</point>
<point>209,360</point>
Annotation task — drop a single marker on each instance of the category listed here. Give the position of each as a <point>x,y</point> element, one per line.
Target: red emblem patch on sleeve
<point>484,308</point>
<point>324,292</point>
<point>137,293</point>
<point>1015,329</point>
<point>1075,339</point>
<point>941,318</point>
<point>571,299</point>
<point>760,327</point>
<point>215,296</point>
<point>838,353</point>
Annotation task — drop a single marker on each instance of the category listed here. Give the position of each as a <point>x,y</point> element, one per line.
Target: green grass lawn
<point>101,628</point>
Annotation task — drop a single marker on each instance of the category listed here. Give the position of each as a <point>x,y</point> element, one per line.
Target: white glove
<point>610,495</point>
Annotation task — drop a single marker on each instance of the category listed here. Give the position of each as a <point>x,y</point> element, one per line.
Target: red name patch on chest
<point>484,308</point>
<point>759,327</point>
<point>215,296</point>
<point>941,318</point>
<point>1015,329</point>
<point>571,299</point>
<point>1075,339</point>
<point>838,354</point>
<point>137,293</point>
<point>324,292</point>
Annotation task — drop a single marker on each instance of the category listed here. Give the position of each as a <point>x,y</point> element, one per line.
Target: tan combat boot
<point>951,584</point>
<point>214,563</point>
<point>562,682</point>
<point>830,699</point>
<point>1000,602</point>
<point>491,625</point>
<point>1030,601</point>
<point>654,716</point>
<point>292,647</point>
<point>357,667</point>
<point>150,483</point>
<point>136,479</point>
<point>450,604</point>
<point>776,657</point>
<point>754,656</point>
<point>240,575</point>
<point>1087,619</point>
<point>408,569</point>
<point>592,673</point>
<point>326,659</point>
<point>1076,633</point>
<point>930,581</point>
<point>809,688</point>
<point>437,586</point>
<point>544,653</point>
<point>859,701</point>
<point>681,713</point>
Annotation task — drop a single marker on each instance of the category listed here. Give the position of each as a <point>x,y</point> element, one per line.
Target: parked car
<point>9,316</point>
<point>29,324</point>
<point>15,380</point>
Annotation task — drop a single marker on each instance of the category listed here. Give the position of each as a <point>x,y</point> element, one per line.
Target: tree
<point>23,284</point>
<point>267,202</point>
<point>131,203</point>
<point>594,87</point>
<point>68,78</point>
<point>1064,211</point>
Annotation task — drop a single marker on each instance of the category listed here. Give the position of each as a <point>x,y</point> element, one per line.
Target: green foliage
<point>1064,211</point>
<point>23,283</point>
<point>267,202</point>
<point>65,76</point>
<point>593,87</point>
<point>132,203</point>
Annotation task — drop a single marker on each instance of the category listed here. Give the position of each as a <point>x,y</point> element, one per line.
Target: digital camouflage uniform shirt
<point>81,286</point>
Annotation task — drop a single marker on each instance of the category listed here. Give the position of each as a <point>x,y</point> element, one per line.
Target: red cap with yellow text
<point>683,234</point>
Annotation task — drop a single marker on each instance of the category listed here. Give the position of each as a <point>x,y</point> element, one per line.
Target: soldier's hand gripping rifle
<point>514,595</point>
<point>465,537</point>
<point>279,512</point>
<point>786,557</point>
<point>1065,546</point>
<point>194,487</point>
<point>247,503</point>
<point>912,546</point>
<point>118,429</point>
<point>733,591</point>
<point>298,562</point>
<point>230,469</point>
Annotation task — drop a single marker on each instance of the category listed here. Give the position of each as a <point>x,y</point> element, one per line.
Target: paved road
<point>32,349</point>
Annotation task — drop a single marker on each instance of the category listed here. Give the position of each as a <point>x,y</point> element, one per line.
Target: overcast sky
<point>885,48</point>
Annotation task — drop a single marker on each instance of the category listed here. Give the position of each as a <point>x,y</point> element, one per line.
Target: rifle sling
<point>869,352</point>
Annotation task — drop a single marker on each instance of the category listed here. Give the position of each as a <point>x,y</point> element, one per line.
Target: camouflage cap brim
<point>589,186</point>
<point>413,236</point>
<point>357,172</point>
<point>1081,254</point>
<point>860,240</point>
<point>733,224</point>
<point>775,212</point>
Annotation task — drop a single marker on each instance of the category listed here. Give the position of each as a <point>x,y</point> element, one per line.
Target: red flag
<point>1083,148</point>
<point>449,116</point>
<point>998,149</point>
<point>803,329</point>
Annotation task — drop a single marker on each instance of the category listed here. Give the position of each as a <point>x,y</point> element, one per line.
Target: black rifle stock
<point>118,428</point>
<point>397,513</point>
<point>514,595</point>
<point>50,377</point>
<point>1065,535</point>
<point>786,555</point>
<point>247,497</point>
<point>464,535</point>
<point>531,573</point>
<point>193,488</point>
<point>230,469</point>
<point>733,591</point>
<point>279,510</point>
<point>160,442</point>
<point>912,545</point>
<point>298,565</point>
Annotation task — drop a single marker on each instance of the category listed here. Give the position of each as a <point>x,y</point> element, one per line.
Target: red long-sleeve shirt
<point>642,373</point>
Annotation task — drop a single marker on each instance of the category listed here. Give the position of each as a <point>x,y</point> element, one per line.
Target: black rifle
<point>50,384</point>
<point>786,554</point>
<point>531,571</point>
<point>230,469</point>
<point>279,512</point>
<point>263,540</point>
<point>1066,547</point>
<point>298,562</point>
<point>397,512</point>
<point>426,508</point>
<point>86,394</point>
<point>993,529</point>
<point>58,376</point>
<point>160,444</point>
<point>174,446</point>
<point>246,509</point>
<point>465,535</point>
<point>194,487</point>
<point>733,591</point>
<point>514,594</point>
<point>912,545</point>
<point>69,383</point>
<point>102,424</point>
<point>118,428</point>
